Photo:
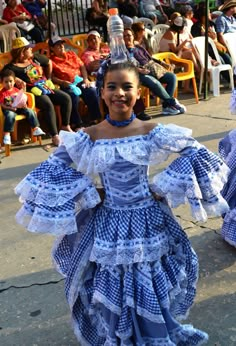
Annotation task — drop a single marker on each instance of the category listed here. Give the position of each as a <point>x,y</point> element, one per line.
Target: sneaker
<point>170,110</point>
<point>38,132</point>
<point>143,116</point>
<point>182,109</point>
<point>7,139</point>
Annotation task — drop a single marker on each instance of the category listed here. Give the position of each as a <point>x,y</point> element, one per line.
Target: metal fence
<point>69,16</point>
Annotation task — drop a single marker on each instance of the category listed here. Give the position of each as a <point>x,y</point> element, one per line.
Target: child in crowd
<point>130,271</point>
<point>8,95</point>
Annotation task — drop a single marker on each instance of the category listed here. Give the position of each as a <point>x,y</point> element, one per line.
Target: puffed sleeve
<point>53,194</point>
<point>196,177</point>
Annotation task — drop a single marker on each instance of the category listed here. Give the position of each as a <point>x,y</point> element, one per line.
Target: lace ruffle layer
<point>153,148</point>
<point>197,179</point>
<point>108,294</point>
<point>52,194</point>
<point>168,282</point>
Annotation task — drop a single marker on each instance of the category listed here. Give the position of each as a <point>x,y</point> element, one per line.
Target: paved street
<point>33,308</point>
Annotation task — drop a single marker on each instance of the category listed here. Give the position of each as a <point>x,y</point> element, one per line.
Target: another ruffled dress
<point>130,272</point>
<point>227,150</point>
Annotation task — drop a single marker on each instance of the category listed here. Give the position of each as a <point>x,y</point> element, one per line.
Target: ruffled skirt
<point>129,276</point>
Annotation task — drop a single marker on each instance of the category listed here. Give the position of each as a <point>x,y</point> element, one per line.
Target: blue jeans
<point>156,87</point>
<point>10,118</point>
<point>90,98</point>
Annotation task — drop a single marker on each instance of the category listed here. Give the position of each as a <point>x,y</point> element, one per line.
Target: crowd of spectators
<point>64,66</point>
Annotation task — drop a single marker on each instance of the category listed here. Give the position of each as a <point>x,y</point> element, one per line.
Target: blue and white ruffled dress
<point>227,150</point>
<point>130,272</point>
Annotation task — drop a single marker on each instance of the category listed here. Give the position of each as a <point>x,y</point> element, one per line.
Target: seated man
<point>226,22</point>
<point>141,57</point>
<point>92,57</point>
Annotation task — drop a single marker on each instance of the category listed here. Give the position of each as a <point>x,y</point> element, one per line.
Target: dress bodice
<point>126,185</point>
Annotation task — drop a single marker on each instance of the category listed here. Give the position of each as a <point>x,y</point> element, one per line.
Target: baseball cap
<point>94,32</point>
<point>54,40</point>
<point>21,42</point>
<point>179,21</point>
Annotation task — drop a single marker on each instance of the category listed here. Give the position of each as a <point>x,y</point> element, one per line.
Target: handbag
<point>156,69</point>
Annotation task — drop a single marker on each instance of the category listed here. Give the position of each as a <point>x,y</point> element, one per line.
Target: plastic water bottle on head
<point>115,28</point>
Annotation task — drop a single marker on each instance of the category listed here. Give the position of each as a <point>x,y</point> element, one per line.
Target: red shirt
<point>9,13</point>
<point>7,96</point>
<point>68,67</point>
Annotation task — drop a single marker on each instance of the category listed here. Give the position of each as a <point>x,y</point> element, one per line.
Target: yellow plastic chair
<point>171,58</point>
<point>42,48</point>
<point>5,58</point>
<point>30,104</point>
<point>80,40</point>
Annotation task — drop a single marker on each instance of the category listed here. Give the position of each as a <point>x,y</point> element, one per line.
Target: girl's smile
<point>120,93</point>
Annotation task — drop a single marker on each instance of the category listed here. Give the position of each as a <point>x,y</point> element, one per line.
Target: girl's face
<point>27,53</point>
<point>120,93</point>
<point>8,82</point>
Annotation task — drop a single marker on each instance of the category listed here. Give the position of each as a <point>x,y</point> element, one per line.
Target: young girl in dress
<point>227,150</point>
<point>129,268</point>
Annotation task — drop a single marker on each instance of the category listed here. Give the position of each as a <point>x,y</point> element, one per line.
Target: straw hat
<point>227,4</point>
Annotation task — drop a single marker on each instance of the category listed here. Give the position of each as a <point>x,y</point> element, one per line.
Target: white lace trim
<point>41,224</point>
<point>153,148</point>
<point>180,188</point>
<point>183,332</point>
<point>132,251</point>
<point>50,195</point>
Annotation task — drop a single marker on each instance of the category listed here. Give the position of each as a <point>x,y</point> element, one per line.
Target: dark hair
<point>121,66</point>
<point>16,53</point>
<point>7,73</point>
<point>129,29</point>
<point>138,26</point>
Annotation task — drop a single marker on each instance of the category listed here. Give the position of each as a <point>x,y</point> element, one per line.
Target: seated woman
<point>198,29</point>
<point>35,8</point>
<point>171,41</point>
<point>140,58</point>
<point>17,13</point>
<point>66,66</point>
<point>30,70</point>
<point>139,36</point>
<point>153,9</point>
<point>96,15</point>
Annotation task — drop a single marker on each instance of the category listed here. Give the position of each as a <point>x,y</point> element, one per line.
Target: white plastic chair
<point>230,39</point>
<point>199,44</point>
<point>155,42</point>
<point>8,32</point>
<point>148,23</point>
<point>160,28</point>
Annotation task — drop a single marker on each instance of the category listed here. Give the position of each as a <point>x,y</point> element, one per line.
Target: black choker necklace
<point>120,123</point>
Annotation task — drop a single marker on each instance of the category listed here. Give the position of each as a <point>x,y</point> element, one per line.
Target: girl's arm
<point>9,108</point>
